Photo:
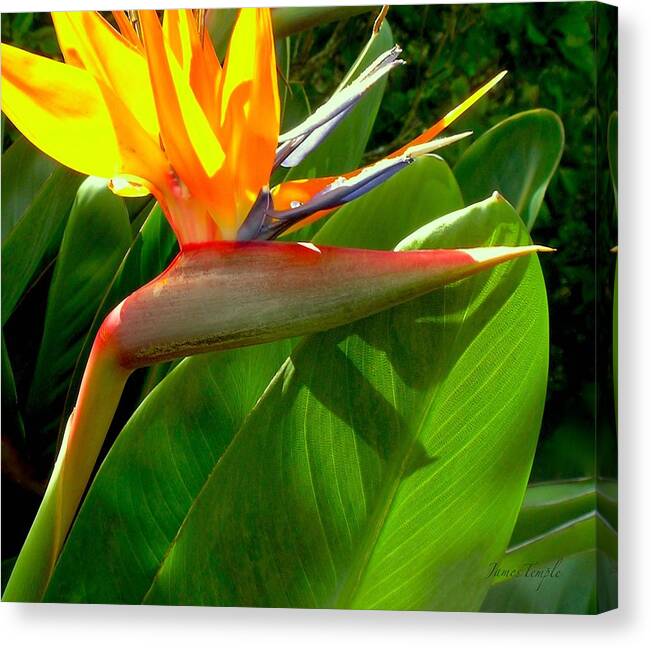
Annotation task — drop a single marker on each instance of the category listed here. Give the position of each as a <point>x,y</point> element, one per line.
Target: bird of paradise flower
<point>149,107</point>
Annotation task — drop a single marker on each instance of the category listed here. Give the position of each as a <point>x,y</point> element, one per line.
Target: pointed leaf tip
<point>488,255</point>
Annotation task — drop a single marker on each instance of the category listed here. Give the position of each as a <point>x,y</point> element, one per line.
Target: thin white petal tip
<point>429,147</point>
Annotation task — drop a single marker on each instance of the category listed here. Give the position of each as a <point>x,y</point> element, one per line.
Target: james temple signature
<point>528,570</point>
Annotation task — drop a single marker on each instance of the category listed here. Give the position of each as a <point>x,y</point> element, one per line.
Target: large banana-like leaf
<point>547,505</point>
<point>437,191</point>
<point>518,158</point>
<point>563,553</point>
<point>290,20</point>
<point>348,481</point>
<point>95,240</point>
<point>286,21</point>
<point>35,239</point>
<point>24,170</point>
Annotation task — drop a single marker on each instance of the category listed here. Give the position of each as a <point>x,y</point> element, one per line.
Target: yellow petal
<point>60,109</point>
<point>250,108</point>
<point>86,37</point>
<point>452,116</point>
<point>173,37</point>
<point>129,188</point>
<point>63,111</point>
<point>190,143</point>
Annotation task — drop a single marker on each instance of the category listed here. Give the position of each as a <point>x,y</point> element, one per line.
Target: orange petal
<point>212,62</point>
<point>200,69</point>
<point>61,110</point>
<point>85,36</point>
<point>288,194</point>
<point>190,143</point>
<point>250,108</point>
<point>127,29</point>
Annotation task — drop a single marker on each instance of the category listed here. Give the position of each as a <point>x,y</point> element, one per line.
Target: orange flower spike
<point>127,29</point>
<point>190,143</point>
<point>250,107</point>
<point>200,69</point>
<point>452,116</point>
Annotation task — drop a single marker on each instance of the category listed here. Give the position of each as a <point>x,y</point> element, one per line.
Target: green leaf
<point>296,107</point>
<point>517,158</point>
<point>290,20</point>
<point>561,571</point>
<point>6,568</point>
<point>378,220</point>
<point>35,240</point>
<point>219,23</point>
<point>152,249</point>
<point>11,415</point>
<point>286,21</point>
<point>173,423</point>
<point>347,480</point>
<point>343,149</point>
<point>563,553</point>
<point>612,149</point>
<point>24,170</point>
<point>547,505</point>
<point>96,237</point>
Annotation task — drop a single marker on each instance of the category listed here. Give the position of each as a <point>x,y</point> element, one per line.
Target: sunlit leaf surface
<point>518,158</point>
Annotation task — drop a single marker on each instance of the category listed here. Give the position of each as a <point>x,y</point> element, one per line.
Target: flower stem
<point>99,395</point>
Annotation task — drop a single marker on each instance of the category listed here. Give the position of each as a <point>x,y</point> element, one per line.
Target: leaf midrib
<point>349,589</point>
